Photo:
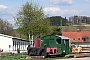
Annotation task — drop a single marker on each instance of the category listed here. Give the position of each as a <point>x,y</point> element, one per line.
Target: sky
<point>64,8</point>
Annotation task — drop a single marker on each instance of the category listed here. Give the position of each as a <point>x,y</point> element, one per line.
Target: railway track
<point>77,55</point>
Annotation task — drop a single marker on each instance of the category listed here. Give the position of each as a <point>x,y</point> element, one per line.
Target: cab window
<point>58,41</point>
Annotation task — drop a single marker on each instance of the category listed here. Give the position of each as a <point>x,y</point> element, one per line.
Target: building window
<point>78,38</point>
<point>13,43</point>
<point>73,38</point>
<point>85,38</point>
<point>23,45</point>
<point>19,45</point>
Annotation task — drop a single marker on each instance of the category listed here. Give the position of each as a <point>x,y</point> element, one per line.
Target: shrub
<point>18,50</point>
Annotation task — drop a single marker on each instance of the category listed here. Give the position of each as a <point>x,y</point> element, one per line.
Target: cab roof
<point>62,37</point>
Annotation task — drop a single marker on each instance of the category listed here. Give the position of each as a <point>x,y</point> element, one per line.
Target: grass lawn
<point>23,58</point>
<point>7,56</point>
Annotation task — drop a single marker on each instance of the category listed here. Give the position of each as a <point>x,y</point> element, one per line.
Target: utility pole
<point>29,37</point>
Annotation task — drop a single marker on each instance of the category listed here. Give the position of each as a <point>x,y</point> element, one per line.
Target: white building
<point>11,44</point>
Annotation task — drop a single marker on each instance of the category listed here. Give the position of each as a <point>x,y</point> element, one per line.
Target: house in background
<point>79,19</point>
<point>78,38</point>
<point>11,44</point>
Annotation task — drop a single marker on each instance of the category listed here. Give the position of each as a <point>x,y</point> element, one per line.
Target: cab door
<point>58,45</point>
<point>67,46</point>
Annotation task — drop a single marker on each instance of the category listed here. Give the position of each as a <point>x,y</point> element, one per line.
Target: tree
<point>31,19</point>
<point>5,27</point>
<point>58,21</point>
<point>56,30</point>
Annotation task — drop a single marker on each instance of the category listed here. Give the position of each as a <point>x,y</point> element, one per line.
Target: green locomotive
<point>50,45</point>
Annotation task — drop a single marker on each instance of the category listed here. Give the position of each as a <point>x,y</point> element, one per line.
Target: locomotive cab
<point>55,43</point>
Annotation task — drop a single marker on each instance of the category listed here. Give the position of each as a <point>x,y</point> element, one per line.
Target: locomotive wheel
<point>32,52</point>
<point>43,52</point>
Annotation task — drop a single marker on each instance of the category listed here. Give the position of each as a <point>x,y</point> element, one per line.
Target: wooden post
<point>9,49</point>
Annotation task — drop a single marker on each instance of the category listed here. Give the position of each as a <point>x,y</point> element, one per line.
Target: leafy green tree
<point>31,19</point>
<point>58,21</point>
<point>56,30</point>
<point>5,27</point>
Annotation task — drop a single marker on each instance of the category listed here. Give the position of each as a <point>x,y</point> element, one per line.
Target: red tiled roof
<point>75,36</point>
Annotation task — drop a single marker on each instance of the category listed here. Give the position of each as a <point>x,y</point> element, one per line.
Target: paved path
<point>85,58</point>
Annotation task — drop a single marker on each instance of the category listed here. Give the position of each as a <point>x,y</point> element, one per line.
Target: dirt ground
<point>84,58</point>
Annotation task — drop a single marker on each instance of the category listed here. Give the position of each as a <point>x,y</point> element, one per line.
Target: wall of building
<point>11,44</point>
<point>79,19</point>
<point>76,36</point>
<point>20,44</point>
<point>5,42</point>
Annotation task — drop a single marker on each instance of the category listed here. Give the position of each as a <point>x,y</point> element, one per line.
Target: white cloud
<point>3,7</point>
<point>62,1</point>
<point>58,11</point>
<point>52,10</point>
<point>8,13</point>
<point>11,11</point>
<point>72,11</point>
<point>6,10</point>
<point>87,0</point>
